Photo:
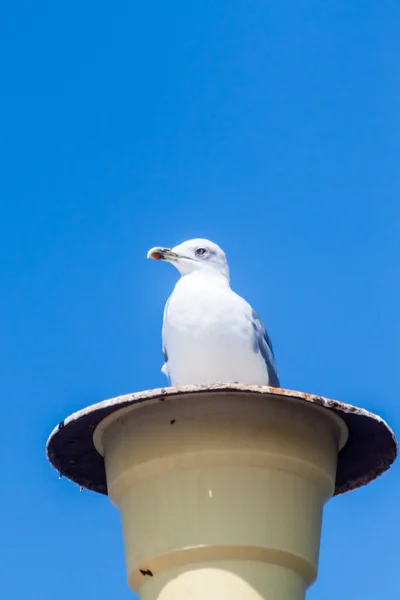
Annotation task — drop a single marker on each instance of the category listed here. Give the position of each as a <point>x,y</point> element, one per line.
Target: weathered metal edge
<point>371,440</point>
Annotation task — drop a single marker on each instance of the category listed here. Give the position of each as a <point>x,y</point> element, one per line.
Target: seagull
<point>210,334</point>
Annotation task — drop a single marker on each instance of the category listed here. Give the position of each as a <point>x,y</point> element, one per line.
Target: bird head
<point>194,255</point>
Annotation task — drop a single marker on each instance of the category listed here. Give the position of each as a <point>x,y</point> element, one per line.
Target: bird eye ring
<point>201,251</point>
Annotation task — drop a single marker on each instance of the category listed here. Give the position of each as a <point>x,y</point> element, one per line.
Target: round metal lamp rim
<point>370,450</point>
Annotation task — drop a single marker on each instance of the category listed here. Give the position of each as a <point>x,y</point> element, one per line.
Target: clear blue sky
<point>271,128</point>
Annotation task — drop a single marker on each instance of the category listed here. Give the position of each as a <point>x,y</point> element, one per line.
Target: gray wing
<point>262,344</point>
<point>164,349</point>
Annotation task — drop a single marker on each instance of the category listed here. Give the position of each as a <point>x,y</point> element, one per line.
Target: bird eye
<point>201,252</point>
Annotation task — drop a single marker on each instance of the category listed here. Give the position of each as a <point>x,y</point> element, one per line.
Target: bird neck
<point>205,275</point>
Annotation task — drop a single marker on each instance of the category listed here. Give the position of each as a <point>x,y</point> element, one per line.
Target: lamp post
<point>221,488</point>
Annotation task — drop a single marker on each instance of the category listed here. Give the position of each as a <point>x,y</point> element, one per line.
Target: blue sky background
<point>271,128</point>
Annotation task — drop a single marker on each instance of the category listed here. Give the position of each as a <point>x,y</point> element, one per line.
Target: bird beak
<point>162,254</point>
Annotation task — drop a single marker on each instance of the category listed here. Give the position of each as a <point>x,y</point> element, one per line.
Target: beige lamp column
<point>221,489</point>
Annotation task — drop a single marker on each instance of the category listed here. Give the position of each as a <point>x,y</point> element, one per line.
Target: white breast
<point>208,334</point>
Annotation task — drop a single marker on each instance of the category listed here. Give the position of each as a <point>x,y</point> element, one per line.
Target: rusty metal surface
<point>370,450</point>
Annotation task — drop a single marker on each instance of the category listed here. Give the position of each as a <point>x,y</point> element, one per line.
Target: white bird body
<point>210,334</point>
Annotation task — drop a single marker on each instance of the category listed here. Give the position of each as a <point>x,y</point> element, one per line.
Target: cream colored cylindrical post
<point>221,495</point>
